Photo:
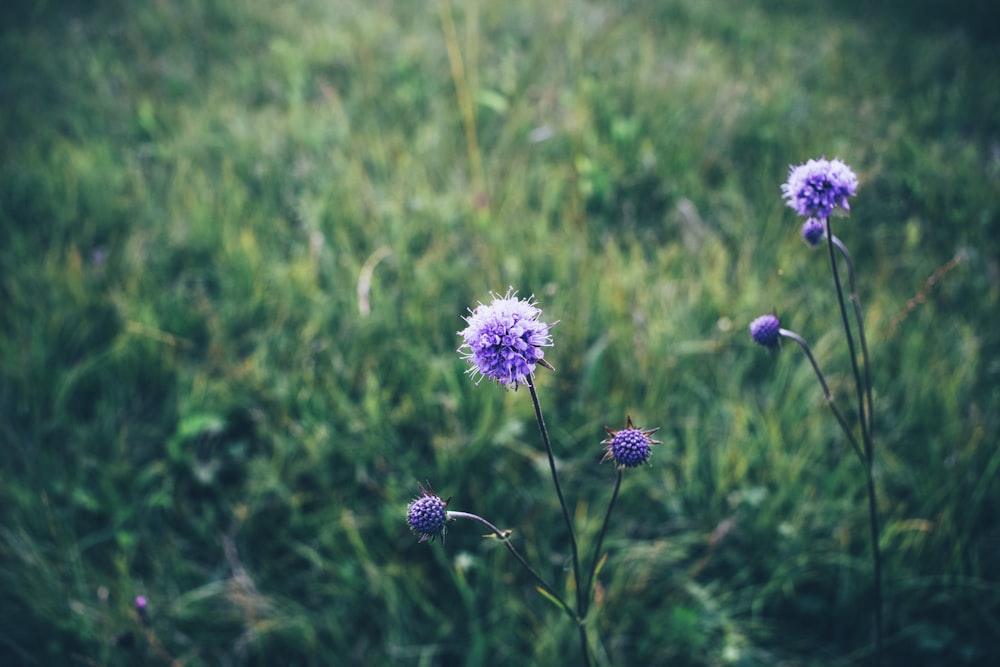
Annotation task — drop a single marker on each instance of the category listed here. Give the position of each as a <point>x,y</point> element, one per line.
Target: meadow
<point>238,239</point>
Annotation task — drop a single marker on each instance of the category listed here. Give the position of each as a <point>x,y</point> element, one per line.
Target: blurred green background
<point>236,243</point>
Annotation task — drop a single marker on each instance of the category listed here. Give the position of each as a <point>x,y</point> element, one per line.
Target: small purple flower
<point>141,605</point>
<point>813,231</point>
<point>630,446</point>
<point>765,330</point>
<point>427,515</point>
<point>504,340</point>
<point>817,187</point>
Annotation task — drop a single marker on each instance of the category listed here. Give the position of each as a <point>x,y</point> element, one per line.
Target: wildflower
<point>630,446</point>
<point>765,330</point>
<point>504,340</point>
<point>427,515</point>
<point>817,187</point>
<point>813,231</point>
<point>141,603</point>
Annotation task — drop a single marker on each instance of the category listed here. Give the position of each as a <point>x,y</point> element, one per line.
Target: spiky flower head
<point>817,187</point>
<point>504,340</point>
<point>813,231</point>
<point>630,446</point>
<point>765,330</point>
<point>427,515</point>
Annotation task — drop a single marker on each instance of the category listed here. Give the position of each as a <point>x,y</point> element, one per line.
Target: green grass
<point>237,240</point>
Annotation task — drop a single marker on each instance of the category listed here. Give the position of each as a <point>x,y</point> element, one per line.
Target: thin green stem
<point>859,387</point>
<point>592,570</point>
<point>856,301</point>
<point>580,595</point>
<point>876,564</point>
<point>866,436</point>
<point>581,628</point>
<point>504,537</point>
<point>826,392</point>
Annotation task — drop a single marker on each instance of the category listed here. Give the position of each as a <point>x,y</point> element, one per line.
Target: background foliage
<point>237,240</point>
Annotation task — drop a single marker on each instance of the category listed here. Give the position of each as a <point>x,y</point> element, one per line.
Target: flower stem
<point>592,571</point>
<point>859,387</point>
<point>876,564</point>
<point>580,593</point>
<point>865,421</point>
<point>856,301</point>
<point>504,536</point>
<point>826,392</point>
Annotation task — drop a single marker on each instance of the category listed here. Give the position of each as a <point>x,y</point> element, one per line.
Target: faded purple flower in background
<point>504,340</point>
<point>141,605</point>
<point>817,187</point>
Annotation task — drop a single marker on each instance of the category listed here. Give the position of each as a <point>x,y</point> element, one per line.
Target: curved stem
<point>504,537</point>
<point>592,571</point>
<point>826,392</point>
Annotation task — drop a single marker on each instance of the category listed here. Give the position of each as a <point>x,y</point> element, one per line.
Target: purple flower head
<point>141,605</point>
<point>427,515</point>
<point>630,446</point>
<point>765,330</point>
<point>817,187</point>
<point>813,231</point>
<point>504,340</point>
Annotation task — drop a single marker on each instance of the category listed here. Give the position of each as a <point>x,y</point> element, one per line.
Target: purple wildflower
<point>630,446</point>
<point>817,187</point>
<point>504,340</point>
<point>813,231</point>
<point>141,608</point>
<point>765,330</point>
<point>427,515</point>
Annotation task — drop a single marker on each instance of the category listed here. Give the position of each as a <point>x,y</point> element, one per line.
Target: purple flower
<point>813,231</point>
<point>765,330</point>
<point>141,604</point>
<point>630,446</point>
<point>817,187</point>
<point>504,340</point>
<point>427,515</point>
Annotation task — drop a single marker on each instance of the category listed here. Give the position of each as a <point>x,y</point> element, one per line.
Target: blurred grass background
<point>236,243</point>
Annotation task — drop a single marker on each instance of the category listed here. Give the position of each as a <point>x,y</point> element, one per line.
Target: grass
<point>236,244</point>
